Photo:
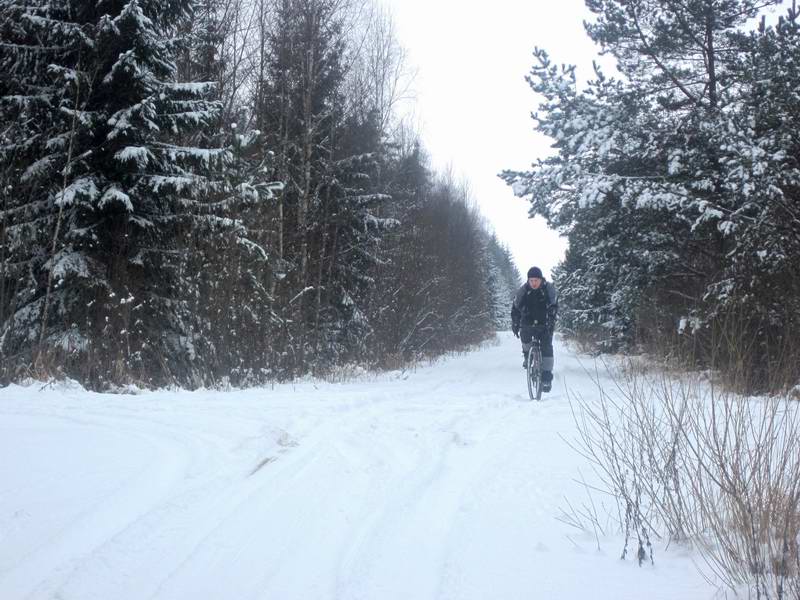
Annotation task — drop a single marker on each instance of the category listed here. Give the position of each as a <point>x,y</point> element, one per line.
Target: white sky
<point>473,102</point>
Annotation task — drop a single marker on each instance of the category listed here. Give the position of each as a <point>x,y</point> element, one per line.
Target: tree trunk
<point>308,154</point>
<point>3,255</point>
<point>711,57</point>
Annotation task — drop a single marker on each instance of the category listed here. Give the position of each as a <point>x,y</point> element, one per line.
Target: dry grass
<point>689,462</point>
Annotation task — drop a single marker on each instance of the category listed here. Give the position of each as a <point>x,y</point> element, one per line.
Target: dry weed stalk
<point>690,463</point>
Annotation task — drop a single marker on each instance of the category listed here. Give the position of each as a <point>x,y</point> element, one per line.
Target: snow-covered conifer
<point>668,179</point>
<point>503,281</point>
<point>104,180</point>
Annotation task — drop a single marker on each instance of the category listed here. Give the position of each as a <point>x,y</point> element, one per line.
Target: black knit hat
<point>535,272</point>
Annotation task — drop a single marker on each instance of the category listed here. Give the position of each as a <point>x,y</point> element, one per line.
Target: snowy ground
<point>444,483</point>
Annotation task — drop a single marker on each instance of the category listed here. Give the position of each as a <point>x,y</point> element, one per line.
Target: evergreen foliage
<point>98,186</point>
<point>199,192</point>
<point>503,281</point>
<point>676,183</point>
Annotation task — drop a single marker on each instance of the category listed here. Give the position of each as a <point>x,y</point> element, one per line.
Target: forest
<point>205,192</point>
<point>197,192</point>
<point>675,176</point>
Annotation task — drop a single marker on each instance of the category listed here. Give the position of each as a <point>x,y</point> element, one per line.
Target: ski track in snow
<point>443,483</point>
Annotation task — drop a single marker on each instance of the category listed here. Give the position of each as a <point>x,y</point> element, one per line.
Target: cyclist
<point>533,313</point>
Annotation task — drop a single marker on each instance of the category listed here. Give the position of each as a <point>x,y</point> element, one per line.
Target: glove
<point>551,321</point>
<point>515,330</point>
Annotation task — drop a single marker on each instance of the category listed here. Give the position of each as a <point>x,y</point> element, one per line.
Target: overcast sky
<point>474,105</point>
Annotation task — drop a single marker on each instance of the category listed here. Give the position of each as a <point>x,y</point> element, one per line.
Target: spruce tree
<point>326,225</point>
<point>103,183</point>
<point>502,282</point>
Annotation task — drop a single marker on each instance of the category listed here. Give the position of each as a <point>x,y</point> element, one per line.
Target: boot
<point>524,360</point>
<point>547,381</point>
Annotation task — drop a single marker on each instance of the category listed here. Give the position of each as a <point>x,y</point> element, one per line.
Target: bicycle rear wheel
<point>534,372</point>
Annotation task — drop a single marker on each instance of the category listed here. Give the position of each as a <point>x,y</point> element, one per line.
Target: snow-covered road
<point>443,483</point>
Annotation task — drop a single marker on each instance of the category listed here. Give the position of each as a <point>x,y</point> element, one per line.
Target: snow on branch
<point>40,168</point>
<point>80,189</point>
<point>199,88</point>
<point>114,195</point>
<point>253,247</point>
<point>137,154</point>
<point>310,288</point>
<point>70,263</point>
<point>203,157</point>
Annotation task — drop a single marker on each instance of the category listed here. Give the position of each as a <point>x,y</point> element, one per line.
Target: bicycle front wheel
<point>535,373</point>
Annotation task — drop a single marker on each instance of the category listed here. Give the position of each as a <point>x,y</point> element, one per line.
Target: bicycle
<point>533,373</point>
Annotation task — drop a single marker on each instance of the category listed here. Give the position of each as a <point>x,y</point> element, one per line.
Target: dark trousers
<point>545,337</point>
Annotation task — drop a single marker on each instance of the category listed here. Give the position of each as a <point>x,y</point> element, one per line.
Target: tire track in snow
<point>60,555</point>
<point>403,541</point>
<point>441,485</point>
<point>235,532</point>
<point>195,503</point>
<point>122,527</point>
<point>189,505</point>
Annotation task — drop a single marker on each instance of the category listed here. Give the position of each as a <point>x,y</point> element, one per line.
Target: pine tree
<point>661,175</point>
<point>761,286</point>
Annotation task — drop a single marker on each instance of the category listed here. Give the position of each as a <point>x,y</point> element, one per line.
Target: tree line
<point>204,191</point>
<point>677,183</point>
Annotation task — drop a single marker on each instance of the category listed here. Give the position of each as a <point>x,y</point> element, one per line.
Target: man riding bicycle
<point>533,314</point>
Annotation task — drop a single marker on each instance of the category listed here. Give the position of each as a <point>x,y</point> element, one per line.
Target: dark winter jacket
<point>535,307</point>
